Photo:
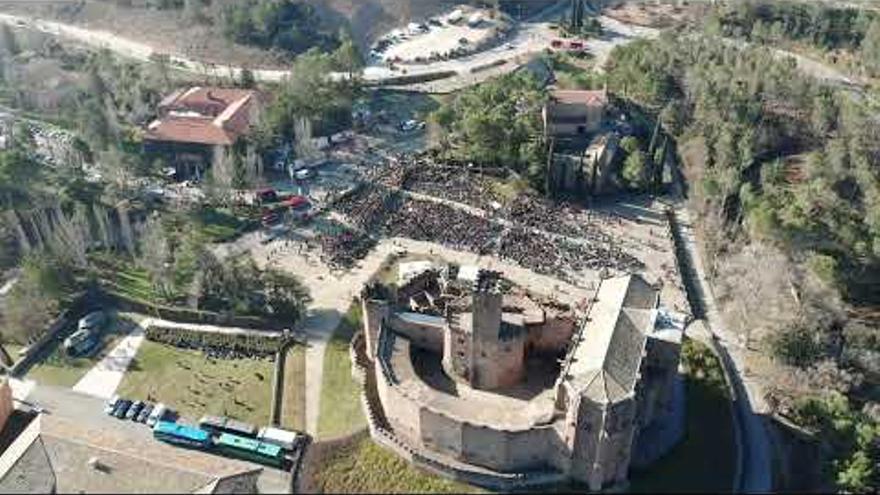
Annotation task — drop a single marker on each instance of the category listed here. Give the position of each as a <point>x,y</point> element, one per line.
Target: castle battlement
<point>496,386</point>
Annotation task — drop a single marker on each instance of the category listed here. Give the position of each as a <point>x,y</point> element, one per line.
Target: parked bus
<point>249,449</point>
<point>185,436</point>
<point>222,424</point>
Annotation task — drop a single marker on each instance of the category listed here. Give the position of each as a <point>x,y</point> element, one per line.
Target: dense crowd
<point>343,250</point>
<point>436,222</point>
<point>554,240</point>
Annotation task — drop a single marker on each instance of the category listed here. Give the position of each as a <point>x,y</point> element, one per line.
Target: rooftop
<point>580,97</point>
<point>199,115</point>
<point>605,362</point>
<point>80,457</point>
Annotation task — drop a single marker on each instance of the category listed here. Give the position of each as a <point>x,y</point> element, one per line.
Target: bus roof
<point>180,430</point>
<point>230,440</point>
<point>278,435</point>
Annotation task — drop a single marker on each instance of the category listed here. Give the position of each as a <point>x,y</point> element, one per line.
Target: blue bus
<point>250,450</point>
<point>185,436</point>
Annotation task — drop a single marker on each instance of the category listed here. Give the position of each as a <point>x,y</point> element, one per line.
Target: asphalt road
<point>755,469</point>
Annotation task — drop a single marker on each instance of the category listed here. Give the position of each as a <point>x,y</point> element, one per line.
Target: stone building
<point>582,142</point>
<point>573,113</point>
<point>486,379</point>
<point>196,126</point>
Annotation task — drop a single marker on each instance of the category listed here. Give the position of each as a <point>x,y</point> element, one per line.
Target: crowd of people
<point>556,240</point>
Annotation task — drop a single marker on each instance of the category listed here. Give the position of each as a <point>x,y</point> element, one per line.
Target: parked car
<point>304,173</point>
<point>270,218</point>
<point>134,410</point>
<point>266,196</point>
<point>144,413</point>
<point>110,406</point>
<point>412,125</point>
<point>157,414</point>
<point>81,342</point>
<point>121,408</point>
<point>91,321</point>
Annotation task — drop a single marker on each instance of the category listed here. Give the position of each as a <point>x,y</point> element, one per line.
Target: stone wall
<point>421,426</point>
<point>380,432</point>
<point>424,334</point>
<point>551,337</point>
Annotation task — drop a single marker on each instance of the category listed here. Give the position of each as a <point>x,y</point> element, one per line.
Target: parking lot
<point>455,34</point>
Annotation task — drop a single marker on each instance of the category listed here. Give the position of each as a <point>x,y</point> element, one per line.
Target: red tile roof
<point>211,116</point>
<point>581,97</point>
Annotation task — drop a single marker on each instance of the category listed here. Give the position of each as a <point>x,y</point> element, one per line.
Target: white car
<point>111,404</point>
<point>91,321</point>
<point>304,173</point>
<point>157,414</point>
<point>412,125</point>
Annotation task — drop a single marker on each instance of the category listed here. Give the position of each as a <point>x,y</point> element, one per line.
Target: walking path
<point>103,379</point>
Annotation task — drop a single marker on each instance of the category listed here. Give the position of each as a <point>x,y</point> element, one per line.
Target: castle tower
<point>498,345</point>
<point>487,301</point>
<point>376,310</point>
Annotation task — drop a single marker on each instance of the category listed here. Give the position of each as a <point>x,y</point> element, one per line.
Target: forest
<point>825,27</point>
<point>776,159</point>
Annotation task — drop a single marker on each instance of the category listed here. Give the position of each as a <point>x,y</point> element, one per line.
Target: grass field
<point>126,278</point>
<point>194,385</point>
<point>705,459</point>
<point>341,412</point>
<point>59,369</point>
<point>293,407</point>
<point>364,467</point>
<point>218,225</point>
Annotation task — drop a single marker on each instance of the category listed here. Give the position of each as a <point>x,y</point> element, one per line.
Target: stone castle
<point>483,377</point>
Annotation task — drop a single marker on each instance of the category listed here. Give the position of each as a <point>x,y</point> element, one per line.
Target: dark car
<point>134,410</point>
<point>145,413</point>
<point>121,408</point>
<point>266,196</point>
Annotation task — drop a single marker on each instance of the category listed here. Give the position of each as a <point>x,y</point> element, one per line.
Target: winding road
<point>529,38</point>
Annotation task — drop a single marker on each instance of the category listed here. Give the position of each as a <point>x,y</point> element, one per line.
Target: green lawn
<point>125,278</point>
<point>364,467</point>
<point>705,460</point>
<point>293,406</point>
<point>341,412</point>
<point>194,385</point>
<point>59,369</point>
<point>218,225</point>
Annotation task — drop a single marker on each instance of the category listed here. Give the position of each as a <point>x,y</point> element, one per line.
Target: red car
<point>296,202</point>
<point>270,218</point>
